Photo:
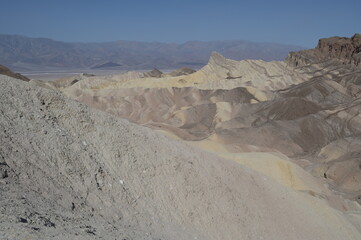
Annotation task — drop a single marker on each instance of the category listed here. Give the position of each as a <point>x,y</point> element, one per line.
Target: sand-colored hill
<point>259,77</point>
<point>296,107</point>
<point>109,172</point>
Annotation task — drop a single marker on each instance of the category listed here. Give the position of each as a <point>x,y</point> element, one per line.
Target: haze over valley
<point>39,54</point>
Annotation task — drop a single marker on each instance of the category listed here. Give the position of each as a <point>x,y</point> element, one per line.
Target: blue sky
<point>300,22</point>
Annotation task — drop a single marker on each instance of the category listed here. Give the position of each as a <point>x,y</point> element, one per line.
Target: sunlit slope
<point>134,177</point>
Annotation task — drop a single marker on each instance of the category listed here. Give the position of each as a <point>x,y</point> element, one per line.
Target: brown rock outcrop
<point>346,50</point>
<point>6,71</point>
<point>342,49</point>
<point>181,72</point>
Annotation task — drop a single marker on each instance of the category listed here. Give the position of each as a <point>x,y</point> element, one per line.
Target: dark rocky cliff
<point>341,49</point>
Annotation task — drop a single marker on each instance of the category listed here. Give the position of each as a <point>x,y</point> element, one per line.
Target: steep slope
<point>6,71</point>
<point>88,161</point>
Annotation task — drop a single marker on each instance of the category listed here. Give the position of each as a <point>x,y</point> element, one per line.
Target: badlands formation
<point>236,150</point>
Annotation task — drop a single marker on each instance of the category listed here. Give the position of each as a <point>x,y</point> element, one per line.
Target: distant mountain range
<point>24,53</point>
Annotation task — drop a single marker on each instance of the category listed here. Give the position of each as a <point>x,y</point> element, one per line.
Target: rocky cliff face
<point>341,49</point>
<point>346,50</point>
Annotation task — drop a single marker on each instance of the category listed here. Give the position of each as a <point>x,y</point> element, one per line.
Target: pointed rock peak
<point>154,73</point>
<point>357,35</point>
<point>216,57</point>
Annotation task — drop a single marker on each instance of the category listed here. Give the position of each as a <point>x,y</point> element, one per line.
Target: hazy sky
<point>297,22</point>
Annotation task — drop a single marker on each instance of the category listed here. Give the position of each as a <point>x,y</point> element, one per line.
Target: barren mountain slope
<point>297,107</point>
<point>78,160</point>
